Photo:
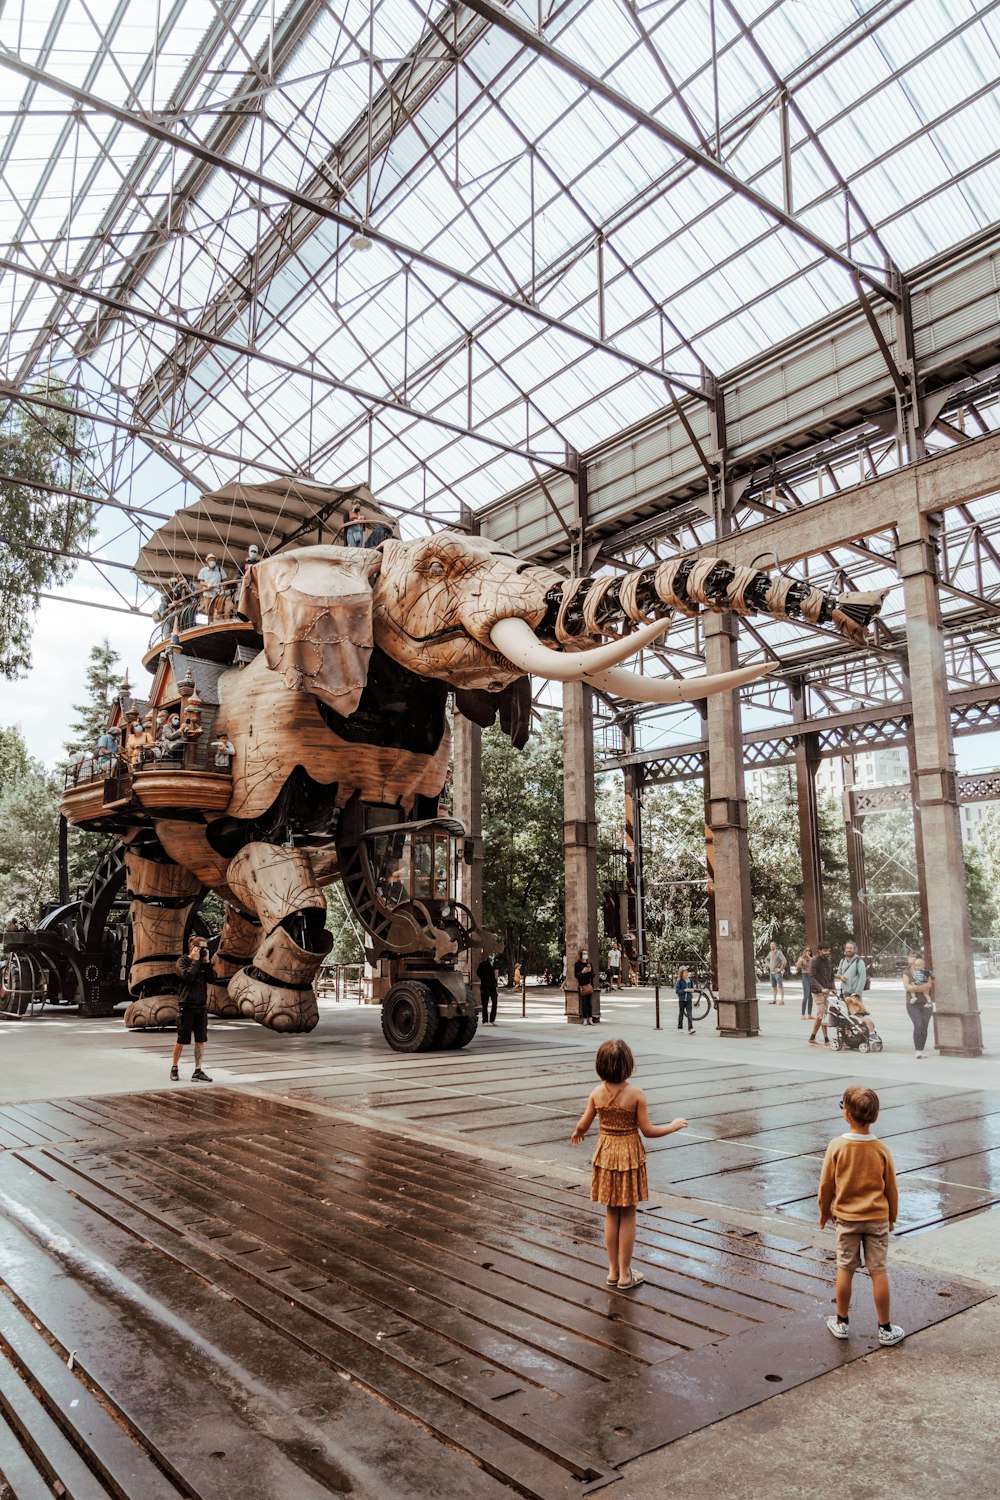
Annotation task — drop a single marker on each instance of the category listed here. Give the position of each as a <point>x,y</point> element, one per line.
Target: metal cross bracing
<point>580,219</point>
<point>579,215</point>
<point>973,711</point>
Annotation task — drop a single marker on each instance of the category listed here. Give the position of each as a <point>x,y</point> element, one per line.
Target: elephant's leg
<point>162,896</point>
<point>240,936</point>
<point>280,886</point>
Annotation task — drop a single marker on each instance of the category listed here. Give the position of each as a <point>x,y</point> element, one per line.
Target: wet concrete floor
<point>309,1307</point>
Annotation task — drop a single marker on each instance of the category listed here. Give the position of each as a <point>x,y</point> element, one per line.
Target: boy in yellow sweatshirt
<point>857,1189</point>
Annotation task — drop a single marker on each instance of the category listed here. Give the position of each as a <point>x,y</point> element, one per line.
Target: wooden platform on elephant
<point>205,1292</point>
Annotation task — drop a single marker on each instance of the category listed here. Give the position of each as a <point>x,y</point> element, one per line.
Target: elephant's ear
<point>313,606</point>
<point>513,704</point>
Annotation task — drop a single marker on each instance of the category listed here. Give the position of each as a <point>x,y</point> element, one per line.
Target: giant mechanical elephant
<point>346,705</point>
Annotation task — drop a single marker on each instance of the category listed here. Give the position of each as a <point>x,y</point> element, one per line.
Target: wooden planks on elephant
<point>275,729</point>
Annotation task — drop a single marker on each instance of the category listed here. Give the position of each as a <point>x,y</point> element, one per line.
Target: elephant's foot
<point>152,1012</point>
<point>272,1004</point>
<point>221,1002</point>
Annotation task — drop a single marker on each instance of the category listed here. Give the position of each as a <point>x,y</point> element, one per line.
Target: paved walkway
<point>916,1420</point>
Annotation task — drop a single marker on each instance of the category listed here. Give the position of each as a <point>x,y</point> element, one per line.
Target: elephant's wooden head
<point>313,606</point>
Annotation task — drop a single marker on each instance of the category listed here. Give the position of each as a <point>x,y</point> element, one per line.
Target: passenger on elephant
<point>195,970</point>
<point>224,752</point>
<point>107,752</point>
<point>354,531</point>
<point>380,532</point>
<point>212,578</point>
<point>173,740</point>
<point>251,560</point>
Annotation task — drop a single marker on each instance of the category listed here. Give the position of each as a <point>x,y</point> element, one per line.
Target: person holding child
<point>857,1190</point>
<point>918,982</point>
<point>618,1179</point>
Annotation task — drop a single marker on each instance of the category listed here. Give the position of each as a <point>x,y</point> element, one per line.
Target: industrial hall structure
<point>407,365</point>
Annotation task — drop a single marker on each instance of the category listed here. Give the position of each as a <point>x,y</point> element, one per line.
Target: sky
<point>41,703</point>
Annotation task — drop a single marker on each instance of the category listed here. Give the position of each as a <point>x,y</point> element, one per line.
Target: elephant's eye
<point>435,568</point>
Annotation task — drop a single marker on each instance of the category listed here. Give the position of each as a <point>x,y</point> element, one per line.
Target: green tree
<point>101,682</point>
<point>523,874</point>
<point>38,524</point>
<point>14,758</point>
<point>29,863</point>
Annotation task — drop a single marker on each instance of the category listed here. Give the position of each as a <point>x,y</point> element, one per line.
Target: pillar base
<point>958,1033</point>
<point>739,1018</point>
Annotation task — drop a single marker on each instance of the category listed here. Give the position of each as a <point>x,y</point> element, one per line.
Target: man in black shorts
<point>192,1017</point>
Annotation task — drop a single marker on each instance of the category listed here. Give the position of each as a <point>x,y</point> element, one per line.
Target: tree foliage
<point>29,833</point>
<point>676,873</point>
<point>523,872</point>
<point>35,521</point>
<point>101,682</point>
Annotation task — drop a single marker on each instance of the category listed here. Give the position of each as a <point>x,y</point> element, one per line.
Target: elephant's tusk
<point>516,640</point>
<point>681,690</point>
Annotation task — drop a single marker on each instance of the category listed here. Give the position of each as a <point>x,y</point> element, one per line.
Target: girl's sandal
<point>636,1279</point>
<point>613,1280</point>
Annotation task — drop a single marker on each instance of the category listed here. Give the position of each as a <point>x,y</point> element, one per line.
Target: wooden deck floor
<point>204,1293</point>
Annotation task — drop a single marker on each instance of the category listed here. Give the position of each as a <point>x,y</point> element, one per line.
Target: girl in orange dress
<point>619,1176</point>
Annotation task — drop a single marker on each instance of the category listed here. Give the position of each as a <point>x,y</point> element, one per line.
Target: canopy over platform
<point>274,514</point>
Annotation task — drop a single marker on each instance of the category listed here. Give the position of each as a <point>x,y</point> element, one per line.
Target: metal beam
<point>934,484</point>
<point>151,127</point>
<point>597,87</point>
<point>245,351</point>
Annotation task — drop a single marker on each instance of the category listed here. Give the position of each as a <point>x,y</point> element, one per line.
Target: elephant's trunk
<point>581,610</point>
<point>592,607</point>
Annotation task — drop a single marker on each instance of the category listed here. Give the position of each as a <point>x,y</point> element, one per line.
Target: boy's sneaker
<point>919,1054</point>
<point>200,1076</point>
<point>891,1335</point>
<point>174,1075</point>
<point>839,1328</point>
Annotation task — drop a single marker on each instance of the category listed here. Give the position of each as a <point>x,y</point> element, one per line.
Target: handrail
<point>172,622</point>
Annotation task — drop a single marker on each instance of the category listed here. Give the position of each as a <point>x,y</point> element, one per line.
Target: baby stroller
<point>848,1031</point>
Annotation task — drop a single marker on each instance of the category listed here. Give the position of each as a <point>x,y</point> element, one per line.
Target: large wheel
<point>467,1028</point>
<point>410,1017</point>
<point>701,1005</point>
<point>23,990</point>
<point>447,1033</point>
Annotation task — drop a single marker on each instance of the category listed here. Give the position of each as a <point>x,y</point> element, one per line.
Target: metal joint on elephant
<point>565,635</point>
<point>274,882</point>
<point>741,590</point>
<point>777,598</point>
<point>670,582</point>
<point>592,601</point>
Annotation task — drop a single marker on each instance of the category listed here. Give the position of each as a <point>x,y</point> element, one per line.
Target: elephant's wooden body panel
<point>344,708</point>
<point>275,728</point>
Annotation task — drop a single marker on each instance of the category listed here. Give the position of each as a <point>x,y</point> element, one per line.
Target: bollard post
<point>524,996</point>
<point>656,997</point>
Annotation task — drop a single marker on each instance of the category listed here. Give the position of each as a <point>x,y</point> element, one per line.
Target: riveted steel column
<point>806,761</point>
<point>635,915</point>
<point>467,799</point>
<point>947,941</point>
<point>854,831</point>
<point>730,845</point>
<point>579,840</point>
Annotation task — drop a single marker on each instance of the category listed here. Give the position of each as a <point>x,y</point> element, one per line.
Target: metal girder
<point>415,79</point>
<point>710,164</point>
<point>973,710</point>
<point>245,351</point>
<point>322,210</point>
<point>290,29</point>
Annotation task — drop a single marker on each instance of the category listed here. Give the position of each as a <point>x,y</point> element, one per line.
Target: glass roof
<point>594,258</point>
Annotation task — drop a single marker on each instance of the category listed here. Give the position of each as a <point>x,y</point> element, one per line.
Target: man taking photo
<point>192,1017</point>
